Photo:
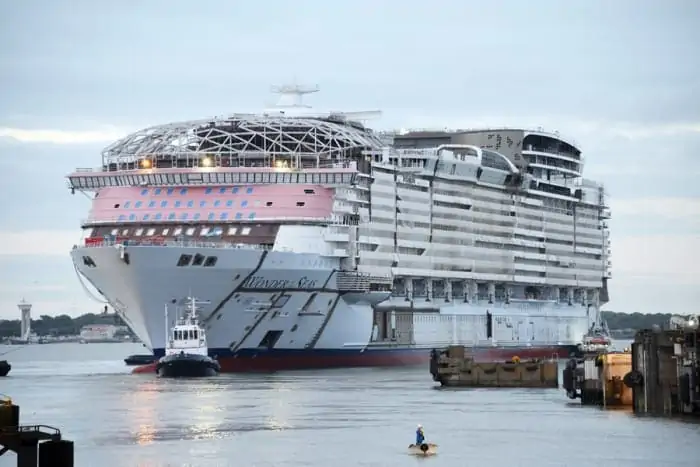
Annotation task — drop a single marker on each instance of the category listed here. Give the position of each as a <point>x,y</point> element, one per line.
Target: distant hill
<point>636,321</point>
<point>62,325</point>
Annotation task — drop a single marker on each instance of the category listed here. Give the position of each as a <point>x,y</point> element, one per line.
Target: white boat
<point>324,244</point>
<point>186,351</point>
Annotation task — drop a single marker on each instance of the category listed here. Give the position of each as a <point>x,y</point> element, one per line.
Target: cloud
<point>659,209</point>
<point>58,136</point>
<point>657,259</point>
<point>38,242</point>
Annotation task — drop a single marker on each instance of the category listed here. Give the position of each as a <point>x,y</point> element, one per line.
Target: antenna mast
<point>291,95</point>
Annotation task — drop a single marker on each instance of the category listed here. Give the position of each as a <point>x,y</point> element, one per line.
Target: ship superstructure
<point>321,245</point>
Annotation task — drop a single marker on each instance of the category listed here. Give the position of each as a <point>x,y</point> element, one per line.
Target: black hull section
<point>187,366</point>
<point>4,368</point>
<point>133,360</point>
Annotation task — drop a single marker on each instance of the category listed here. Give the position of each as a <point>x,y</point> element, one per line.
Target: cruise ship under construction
<point>318,242</point>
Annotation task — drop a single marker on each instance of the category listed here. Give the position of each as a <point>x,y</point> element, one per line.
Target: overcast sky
<point>622,78</point>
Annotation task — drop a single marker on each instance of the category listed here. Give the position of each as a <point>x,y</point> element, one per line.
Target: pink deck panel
<point>153,204</point>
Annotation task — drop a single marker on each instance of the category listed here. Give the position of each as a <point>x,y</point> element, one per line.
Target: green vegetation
<point>62,325</point>
<point>636,321</point>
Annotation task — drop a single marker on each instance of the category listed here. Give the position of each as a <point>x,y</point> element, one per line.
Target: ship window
<point>211,216</point>
<point>235,190</point>
<point>177,204</point>
<point>159,216</point>
<point>177,231</point>
<point>229,203</point>
<point>207,191</point>
<point>210,261</point>
<point>165,231</point>
<point>152,204</point>
<point>122,217</point>
<point>222,190</point>
<point>217,231</point>
<point>224,216</point>
<point>244,203</point>
<point>245,231</point>
<point>125,232</point>
<point>138,204</point>
<point>183,191</point>
<point>116,205</point>
<point>217,203</point>
<point>114,232</point>
<point>158,190</point>
<point>184,260</point>
<point>190,231</point>
<point>190,204</point>
<point>239,215</point>
<point>196,216</point>
<point>163,204</point>
<point>195,334</point>
<point>171,216</point>
<point>202,204</point>
<point>269,203</point>
<point>204,231</point>
<point>231,230</point>
<point>144,192</point>
<point>170,191</point>
<point>138,232</point>
<point>146,217</point>
<point>198,260</point>
<point>132,217</point>
<point>249,190</point>
<point>126,205</point>
<point>151,232</point>
<point>251,215</point>
<point>183,216</point>
<point>300,203</point>
<point>309,192</point>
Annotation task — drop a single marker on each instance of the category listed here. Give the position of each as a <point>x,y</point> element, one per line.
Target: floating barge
<point>600,378</point>
<point>35,445</point>
<point>453,367</point>
<point>665,376</point>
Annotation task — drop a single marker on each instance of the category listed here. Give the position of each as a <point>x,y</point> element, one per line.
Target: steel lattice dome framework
<point>329,136</point>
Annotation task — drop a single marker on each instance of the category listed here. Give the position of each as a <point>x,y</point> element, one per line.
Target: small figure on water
<point>420,435</point>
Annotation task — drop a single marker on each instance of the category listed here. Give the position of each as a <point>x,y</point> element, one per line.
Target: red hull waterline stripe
<point>254,360</point>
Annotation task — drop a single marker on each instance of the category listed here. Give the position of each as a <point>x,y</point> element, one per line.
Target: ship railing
<point>167,222</point>
<point>183,244</point>
<point>223,176</point>
<point>357,281</point>
<point>216,165</point>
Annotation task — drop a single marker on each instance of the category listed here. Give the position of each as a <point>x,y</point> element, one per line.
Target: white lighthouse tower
<point>25,309</point>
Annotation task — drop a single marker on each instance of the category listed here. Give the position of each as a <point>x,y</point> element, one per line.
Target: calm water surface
<point>359,417</point>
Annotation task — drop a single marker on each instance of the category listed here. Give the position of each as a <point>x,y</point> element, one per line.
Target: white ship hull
<point>255,292</point>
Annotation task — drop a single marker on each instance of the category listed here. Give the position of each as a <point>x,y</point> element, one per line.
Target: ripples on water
<point>357,417</point>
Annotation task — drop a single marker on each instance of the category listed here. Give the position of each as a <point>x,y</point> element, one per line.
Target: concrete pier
<point>450,367</point>
<point>34,445</point>
<point>665,376</point>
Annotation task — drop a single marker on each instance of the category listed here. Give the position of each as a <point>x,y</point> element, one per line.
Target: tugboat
<point>4,367</point>
<point>597,339</point>
<point>186,350</point>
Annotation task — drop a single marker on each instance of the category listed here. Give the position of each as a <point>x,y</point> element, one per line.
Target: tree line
<point>64,325</point>
<point>61,325</point>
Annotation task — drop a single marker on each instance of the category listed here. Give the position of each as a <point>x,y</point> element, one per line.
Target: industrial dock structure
<point>34,445</point>
<point>665,376</point>
<point>454,367</point>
